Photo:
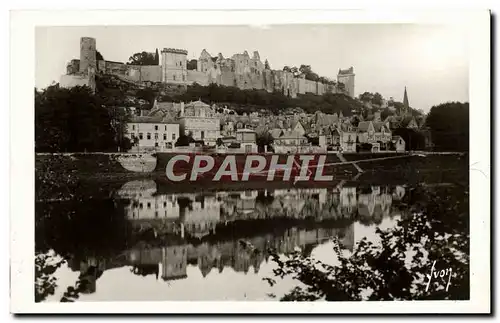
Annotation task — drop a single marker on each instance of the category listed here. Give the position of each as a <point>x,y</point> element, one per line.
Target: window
<point>156,135</point>
<point>156,144</point>
<point>164,136</point>
<point>140,135</point>
<point>133,127</point>
<point>180,63</point>
<point>149,205</point>
<point>174,77</point>
<point>165,128</point>
<point>140,206</point>
<point>156,127</point>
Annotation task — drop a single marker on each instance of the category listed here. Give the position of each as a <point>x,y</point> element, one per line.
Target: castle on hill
<point>241,70</point>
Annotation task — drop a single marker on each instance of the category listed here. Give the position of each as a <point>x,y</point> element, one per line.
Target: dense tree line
<point>255,100</point>
<point>449,126</point>
<point>76,120</point>
<point>144,58</point>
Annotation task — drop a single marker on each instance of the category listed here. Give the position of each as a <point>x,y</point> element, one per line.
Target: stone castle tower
<point>87,55</point>
<point>347,78</point>
<point>173,65</point>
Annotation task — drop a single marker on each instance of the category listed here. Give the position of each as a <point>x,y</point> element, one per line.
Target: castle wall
<point>310,86</point>
<point>267,80</point>
<point>240,71</point>
<point>133,73</point>
<point>197,77</point>
<point>151,73</point>
<point>227,78</point>
<point>73,66</point>
<point>117,68</point>
<point>69,81</point>
<point>101,66</point>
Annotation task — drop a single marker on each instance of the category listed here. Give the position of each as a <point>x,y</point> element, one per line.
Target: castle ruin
<point>240,70</point>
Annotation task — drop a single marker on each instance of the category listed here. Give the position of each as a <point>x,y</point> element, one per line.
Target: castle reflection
<point>198,214</point>
<point>200,221</point>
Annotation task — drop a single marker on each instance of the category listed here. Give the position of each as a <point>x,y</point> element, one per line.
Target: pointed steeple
<point>406,105</point>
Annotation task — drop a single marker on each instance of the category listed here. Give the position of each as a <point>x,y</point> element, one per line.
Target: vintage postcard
<point>243,160</point>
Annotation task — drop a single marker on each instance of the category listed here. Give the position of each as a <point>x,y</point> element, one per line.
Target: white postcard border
<point>475,23</point>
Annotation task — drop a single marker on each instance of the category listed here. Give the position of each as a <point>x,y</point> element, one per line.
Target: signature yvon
<point>435,274</point>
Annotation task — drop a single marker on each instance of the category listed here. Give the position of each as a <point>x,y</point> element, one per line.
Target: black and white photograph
<point>330,161</point>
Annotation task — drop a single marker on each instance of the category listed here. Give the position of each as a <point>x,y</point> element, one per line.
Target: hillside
<point>120,92</point>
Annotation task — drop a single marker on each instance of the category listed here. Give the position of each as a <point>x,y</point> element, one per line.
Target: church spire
<point>406,105</point>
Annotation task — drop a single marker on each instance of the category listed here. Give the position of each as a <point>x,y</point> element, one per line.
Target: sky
<point>430,60</point>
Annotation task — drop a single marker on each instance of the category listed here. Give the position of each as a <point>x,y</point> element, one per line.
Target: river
<point>141,244</point>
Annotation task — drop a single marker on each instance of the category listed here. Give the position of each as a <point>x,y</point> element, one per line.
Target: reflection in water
<point>164,235</point>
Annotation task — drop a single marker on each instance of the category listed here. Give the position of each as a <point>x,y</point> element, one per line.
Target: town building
<point>199,120</point>
<point>247,138</point>
<point>152,133</point>
<point>399,143</point>
<point>374,132</point>
<point>290,142</point>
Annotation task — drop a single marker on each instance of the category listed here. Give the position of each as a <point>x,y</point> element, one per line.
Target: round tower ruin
<point>87,54</point>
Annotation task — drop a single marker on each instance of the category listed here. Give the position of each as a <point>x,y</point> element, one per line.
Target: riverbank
<point>77,176</point>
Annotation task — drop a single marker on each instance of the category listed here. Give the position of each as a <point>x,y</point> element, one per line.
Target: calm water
<point>140,244</point>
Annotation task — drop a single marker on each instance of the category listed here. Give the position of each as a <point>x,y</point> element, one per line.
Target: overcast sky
<point>431,61</point>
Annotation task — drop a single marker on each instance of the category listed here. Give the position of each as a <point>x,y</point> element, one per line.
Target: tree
<point>377,98</point>
<point>98,56</point>
<point>287,69</point>
<point>157,58</point>
<point>395,268</point>
<point>73,120</point>
<point>266,65</point>
<point>147,94</point>
<point>264,139</point>
<point>308,73</point>
<point>192,65</point>
<point>143,58</point>
<point>366,97</point>
<point>184,140</point>
<point>355,121</point>
<point>385,113</point>
<point>414,140</point>
<point>449,126</point>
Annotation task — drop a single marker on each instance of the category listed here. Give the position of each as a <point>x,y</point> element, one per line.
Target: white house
<point>247,138</point>
<point>290,142</point>
<point>399,143</point>
<point>372,132</point>
<point>153,133</point>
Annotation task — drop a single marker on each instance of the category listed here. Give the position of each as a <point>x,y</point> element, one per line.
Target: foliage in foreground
<point>396,268</point>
